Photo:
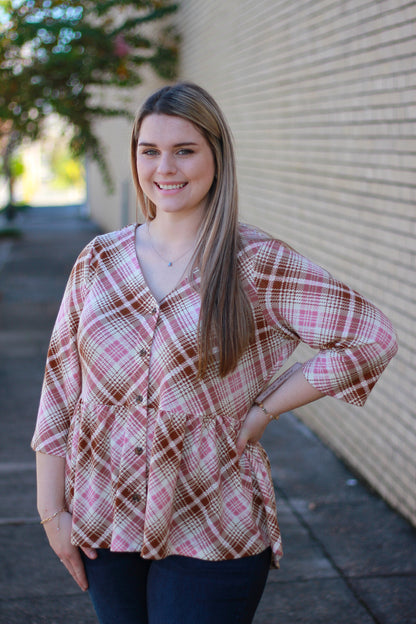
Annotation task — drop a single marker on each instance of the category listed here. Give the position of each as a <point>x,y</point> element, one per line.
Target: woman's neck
<point>174,232</point>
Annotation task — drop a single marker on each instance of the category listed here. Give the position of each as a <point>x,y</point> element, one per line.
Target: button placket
<point>138,446</point>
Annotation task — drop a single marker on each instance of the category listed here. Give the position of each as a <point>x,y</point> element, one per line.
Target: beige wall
<point>113,210</point>
<point>321,97</point>
<point>106,208</point>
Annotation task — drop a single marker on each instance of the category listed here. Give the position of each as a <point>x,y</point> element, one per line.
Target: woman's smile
<point>172,186</point>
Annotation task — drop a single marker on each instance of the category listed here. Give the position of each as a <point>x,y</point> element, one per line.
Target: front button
<point>142,352</point>
<point>139,398</point>
<point>136,498</point>
<point>154,311</point>
<point>138,450</point>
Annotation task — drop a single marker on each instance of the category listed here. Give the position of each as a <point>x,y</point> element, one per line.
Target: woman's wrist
<point>55,514</point>
<point>270,415</point>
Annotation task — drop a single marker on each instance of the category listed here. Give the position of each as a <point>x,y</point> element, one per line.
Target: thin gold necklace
<point>168,262</point>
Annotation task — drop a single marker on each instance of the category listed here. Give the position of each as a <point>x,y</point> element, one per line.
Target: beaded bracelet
<point>45,520</point>
<point>269,415</point>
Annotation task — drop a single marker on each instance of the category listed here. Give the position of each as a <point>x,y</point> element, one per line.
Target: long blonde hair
<point>226,317</point>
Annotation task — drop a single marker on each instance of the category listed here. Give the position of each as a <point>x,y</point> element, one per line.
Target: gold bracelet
<point>45,520</point>
<point>269,415</point>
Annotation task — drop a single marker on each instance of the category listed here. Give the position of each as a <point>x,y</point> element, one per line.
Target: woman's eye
<point>154,152</point>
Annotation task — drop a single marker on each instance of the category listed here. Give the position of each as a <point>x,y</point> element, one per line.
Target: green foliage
<point>55,54</point>
<point>16,166</point>
<point>67,170</point>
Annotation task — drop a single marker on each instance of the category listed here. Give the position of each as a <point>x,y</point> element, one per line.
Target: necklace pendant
<point>170,262</point>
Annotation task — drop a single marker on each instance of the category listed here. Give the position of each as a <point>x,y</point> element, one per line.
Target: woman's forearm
<point>50,472</point>
<point>58,523</point>
<point>295,392</point>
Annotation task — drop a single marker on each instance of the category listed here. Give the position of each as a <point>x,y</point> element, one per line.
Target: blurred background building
<point>50,175</point>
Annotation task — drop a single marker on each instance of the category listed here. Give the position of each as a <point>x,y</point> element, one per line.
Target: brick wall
<point>320,96</point>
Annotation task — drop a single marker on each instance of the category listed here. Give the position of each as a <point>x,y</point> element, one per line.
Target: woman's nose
<point>166,164</point>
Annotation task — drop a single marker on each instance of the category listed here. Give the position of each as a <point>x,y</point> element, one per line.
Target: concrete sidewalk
<point>349,559</point>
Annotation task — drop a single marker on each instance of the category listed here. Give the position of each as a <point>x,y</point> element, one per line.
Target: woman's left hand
<point>252,429</point>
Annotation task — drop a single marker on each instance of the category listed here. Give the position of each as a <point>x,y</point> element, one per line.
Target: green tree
<point>56,56</point>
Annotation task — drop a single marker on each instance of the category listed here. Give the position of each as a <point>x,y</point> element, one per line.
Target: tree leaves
<point>55,54</point>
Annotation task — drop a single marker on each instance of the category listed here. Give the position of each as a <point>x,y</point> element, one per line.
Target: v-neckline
<point>182,280</point>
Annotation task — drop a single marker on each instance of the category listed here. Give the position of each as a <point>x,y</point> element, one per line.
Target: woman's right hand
<point>58,532</point>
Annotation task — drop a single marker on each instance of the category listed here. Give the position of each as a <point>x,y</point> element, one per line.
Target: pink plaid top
<point>151,464</point>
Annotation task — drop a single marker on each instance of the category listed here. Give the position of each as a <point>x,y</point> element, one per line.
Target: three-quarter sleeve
<point>62,381</point>
<point>354,339</point>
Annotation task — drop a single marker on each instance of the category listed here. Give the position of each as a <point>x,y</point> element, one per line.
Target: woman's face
<point>175,164</point>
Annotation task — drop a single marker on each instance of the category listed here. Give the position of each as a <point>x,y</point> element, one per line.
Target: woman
<point>153,488</point>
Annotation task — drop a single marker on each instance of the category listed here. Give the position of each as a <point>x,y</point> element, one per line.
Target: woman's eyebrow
<point>146,144</point>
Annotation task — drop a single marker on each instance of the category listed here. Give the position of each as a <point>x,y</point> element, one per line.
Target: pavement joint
<point>18,521</point>
<point>9,467</point>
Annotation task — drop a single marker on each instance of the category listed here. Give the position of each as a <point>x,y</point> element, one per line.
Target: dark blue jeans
<point>126,589</point>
